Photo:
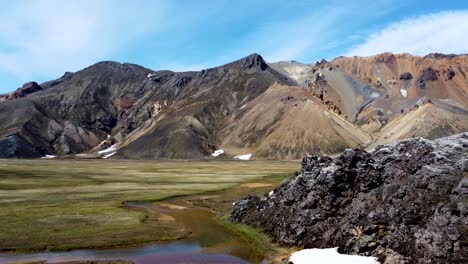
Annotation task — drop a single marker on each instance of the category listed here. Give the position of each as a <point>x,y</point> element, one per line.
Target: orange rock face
<point>435,76</point>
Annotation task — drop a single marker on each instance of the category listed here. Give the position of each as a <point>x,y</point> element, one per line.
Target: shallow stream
<point>208,242</point>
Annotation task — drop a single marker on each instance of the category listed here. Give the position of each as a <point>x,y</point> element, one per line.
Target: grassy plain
<point>67,204</point>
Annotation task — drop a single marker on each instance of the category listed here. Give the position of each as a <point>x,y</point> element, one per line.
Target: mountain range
<point>247,108</point>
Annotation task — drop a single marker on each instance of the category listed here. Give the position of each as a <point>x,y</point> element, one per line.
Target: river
<point>208,242</point>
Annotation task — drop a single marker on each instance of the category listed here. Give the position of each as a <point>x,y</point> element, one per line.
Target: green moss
<point>255,237</point>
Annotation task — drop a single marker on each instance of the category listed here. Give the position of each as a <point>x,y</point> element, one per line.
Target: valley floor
<point>69,204</point>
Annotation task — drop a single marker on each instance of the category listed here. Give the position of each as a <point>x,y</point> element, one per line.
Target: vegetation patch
<point>255,237</point>
<point>70,204</point>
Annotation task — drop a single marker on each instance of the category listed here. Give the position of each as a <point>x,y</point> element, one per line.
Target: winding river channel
<point>208,242</point>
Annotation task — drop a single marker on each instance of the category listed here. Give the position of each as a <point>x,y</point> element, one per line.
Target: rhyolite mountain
<point>273,111</point>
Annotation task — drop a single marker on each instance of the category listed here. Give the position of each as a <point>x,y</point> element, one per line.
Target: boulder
<point>406,76</point>
<point>428,74</point>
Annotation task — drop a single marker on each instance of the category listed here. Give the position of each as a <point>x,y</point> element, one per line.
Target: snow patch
<point>149,75</point>
<point>328,256</point>
<point>217,153</point>
<point>330,169</point>
<point>448,142</point>
<point>242,107</point>
<point>109,155</point>
<point>49,157</point>
<point>81,155</point>
<point>404,92</point>
<point>243,157</point>
<point>108,150</point>
<point>271,193</point>
<point>384,150</point>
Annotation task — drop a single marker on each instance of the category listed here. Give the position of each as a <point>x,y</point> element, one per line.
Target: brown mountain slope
<point>428,120</point>
<point>286,122</point>
<point>435,76</point>
<point>189,127</point>
<point>73,114</point>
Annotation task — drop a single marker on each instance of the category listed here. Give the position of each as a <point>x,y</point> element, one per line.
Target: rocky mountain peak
<point>252,61</point>
<point>116,67</point>
<point>323,64</point>
<point>440,56</point>
<point>109,65</point>
<point>27,88</point>
<point>386,57</point>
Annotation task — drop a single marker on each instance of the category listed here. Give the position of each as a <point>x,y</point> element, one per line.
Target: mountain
<point>190,122</point>
<point>273,111</point>
<point>153,114</point>
<point>286,122</point>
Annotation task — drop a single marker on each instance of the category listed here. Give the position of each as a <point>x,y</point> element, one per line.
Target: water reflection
<point>210,242</point>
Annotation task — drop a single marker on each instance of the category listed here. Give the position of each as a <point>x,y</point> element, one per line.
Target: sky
<point>42,39</point>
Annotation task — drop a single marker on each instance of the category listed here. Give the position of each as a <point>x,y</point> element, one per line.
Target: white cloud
<point>310,35</point>
<point>445,32</point>
<point>48,37</point>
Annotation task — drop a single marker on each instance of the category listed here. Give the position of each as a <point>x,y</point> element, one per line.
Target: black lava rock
<point>429,74</point>
<point>405,202</point>
<point>253,60</point>
<point>406,76</point>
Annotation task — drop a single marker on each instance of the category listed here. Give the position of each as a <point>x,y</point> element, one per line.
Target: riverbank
<point>61,205</point>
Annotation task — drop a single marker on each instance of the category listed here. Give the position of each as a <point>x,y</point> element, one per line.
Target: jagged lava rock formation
<point>28,88</point>
<point>405,202</point>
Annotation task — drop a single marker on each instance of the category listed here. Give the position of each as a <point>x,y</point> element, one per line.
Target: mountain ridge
<point>166,114</point>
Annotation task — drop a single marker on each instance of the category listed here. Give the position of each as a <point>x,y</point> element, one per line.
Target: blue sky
<point>41,39</point>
